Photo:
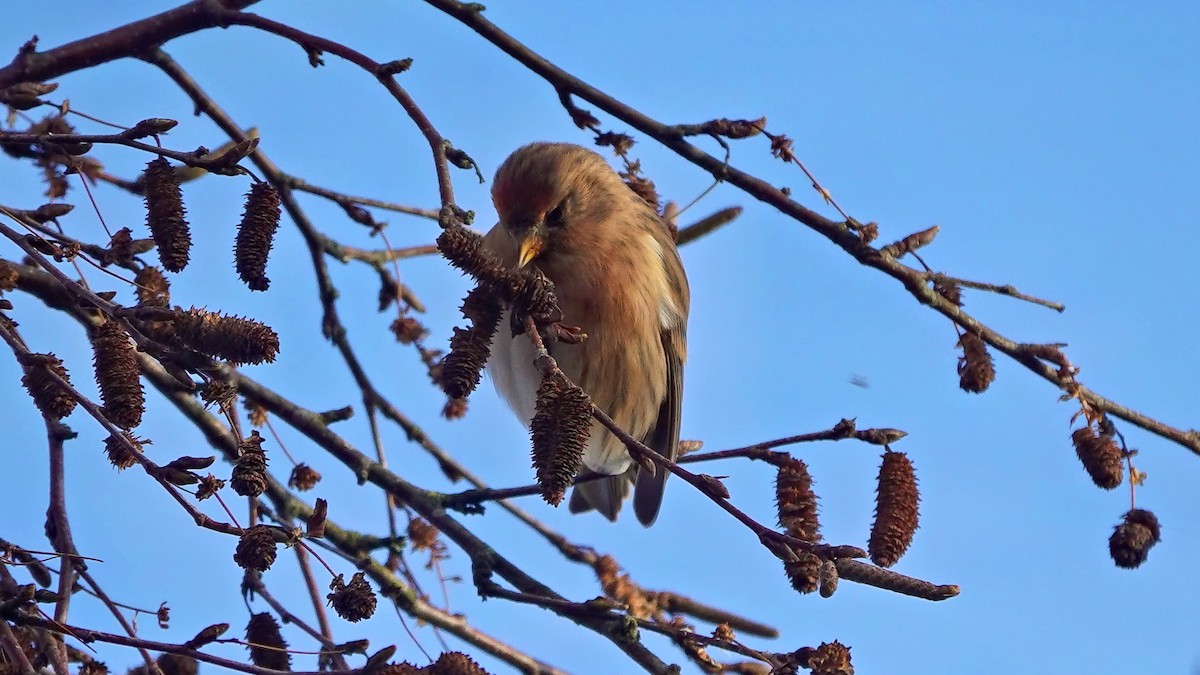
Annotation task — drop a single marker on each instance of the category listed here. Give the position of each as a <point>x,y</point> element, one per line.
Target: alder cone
<point>118,375</point>
<point>256,234</point>
<point>165,215</point>
<point>795,500</point>
<point>1132,540</point>
<point>896,510</point>
<point>1101,457</point>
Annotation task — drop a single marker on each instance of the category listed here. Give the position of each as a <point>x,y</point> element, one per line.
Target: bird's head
<point>554,200</point>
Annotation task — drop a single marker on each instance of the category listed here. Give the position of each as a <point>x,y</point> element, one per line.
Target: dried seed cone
<point>49,397</point>
<point>831,658</point>
<point>483,306</point>
<point>976,370</point>
<point>256,549</point>
<point>165,214</point>
<point>408,330</point>
<point>421,535</point>
<point>118,453</point>
<point>464,249</point>
<point>267,647</point>
<point>949,290</point>
<point>561,426</point>
<point>537,299</point>
<point>455,409</point>
<point>249,477</point>
<point>304,477</point>
<point>219,393</point>
<point>117,374</point>
<point>805,573</point>
<point>153,289</point>
<point>93,668</point>
<point>644,188</point>
<point>1101,457</point>
<point>463,366</point>
<point>1132,540</point>
<point>232,338</point>
<point>9,276</point>
<point>796,503</point>
<point>402,668</point>
<point>896,510</point>
<point>354,601</point>
<point>455,663</point>
<point>255,235</point>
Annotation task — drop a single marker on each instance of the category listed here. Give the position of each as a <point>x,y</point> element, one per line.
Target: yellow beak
<point>530,247</point>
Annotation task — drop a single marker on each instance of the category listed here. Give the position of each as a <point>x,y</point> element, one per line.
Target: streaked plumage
<point>619,278</point>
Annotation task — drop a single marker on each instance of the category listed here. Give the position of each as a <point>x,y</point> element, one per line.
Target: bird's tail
<point>605,495</point>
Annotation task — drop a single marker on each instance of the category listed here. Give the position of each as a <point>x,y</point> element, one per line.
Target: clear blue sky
<point>1056,145</point>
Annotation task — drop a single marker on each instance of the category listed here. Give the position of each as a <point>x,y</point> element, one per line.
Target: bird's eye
<point>555,217</point>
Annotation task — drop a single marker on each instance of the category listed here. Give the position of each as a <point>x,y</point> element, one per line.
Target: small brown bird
<point>618,277</point>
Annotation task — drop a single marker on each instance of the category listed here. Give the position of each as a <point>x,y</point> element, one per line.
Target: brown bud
<point>256,549</point>
<point>267,647</point>
<point>896,510</point>
<point>255,235</point>
<point>207,636</point>
<point>828,578</point>
<point>188,463</point>
<point>1100,455</point>
<point>48,395</point>
<point>795,500</point>
<point>165,214</point>
<point>149,127</point>
<point>560,429</point>
<point>25,95</point>
<point>118,376</point>
<point>249,477</point>
<point>315,527</point>
<point>1132,540</point>
<point>910,243</point>
<point>975,367</point>
<point>354,601</point>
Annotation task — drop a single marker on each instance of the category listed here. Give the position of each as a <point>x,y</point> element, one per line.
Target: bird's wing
<point>664,436</point>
